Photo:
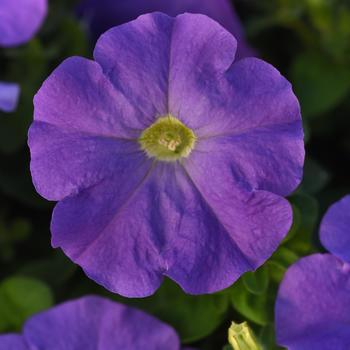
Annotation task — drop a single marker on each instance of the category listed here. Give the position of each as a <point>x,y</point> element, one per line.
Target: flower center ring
<point>167,139</point>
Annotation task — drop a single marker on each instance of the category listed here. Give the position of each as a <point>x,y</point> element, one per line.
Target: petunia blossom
<point>105,14</point>
<point>92,323</point>
<point>9,94</point>
<point>20,20</point>
<point>313,305</point>
<point>335,229</point>
<point>167,159</point>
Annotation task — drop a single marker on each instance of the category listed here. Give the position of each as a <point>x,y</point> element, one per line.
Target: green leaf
<point>251,306</point>
<point>28,68</point>
<point>319,83</point>
<point>20,229</point>
<point>331,20</point>
<point>302,242</point>
<point>320,14</point>
<point>194,317</point>
<point>315,177</point>
<point>267,337</point>
<point>285,256</point>
<point>20,298</point>
<point>227,347</point>
<point>256,282</point>
<point>69,39</point>
<point>276,270</point>
<point>11,233</point>
<point>308,206</point>
<point>279,262</point>
<point>296,224</point>
<point>55,270</point>
<point>16,182</point>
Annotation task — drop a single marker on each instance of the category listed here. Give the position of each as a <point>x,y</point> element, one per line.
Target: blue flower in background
<point>104,14</point>
<point>335,229</point>
<point>92,323</point>
<point>19,21</point>
<point>313,305</point>
<point>9,94</point>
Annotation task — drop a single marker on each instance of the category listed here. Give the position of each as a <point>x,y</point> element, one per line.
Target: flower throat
<point>167,139</point>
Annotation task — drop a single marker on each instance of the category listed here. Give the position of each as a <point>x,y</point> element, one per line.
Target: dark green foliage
<point>309,41</point>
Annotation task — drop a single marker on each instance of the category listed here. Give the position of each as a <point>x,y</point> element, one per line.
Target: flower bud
<point>241,337</point>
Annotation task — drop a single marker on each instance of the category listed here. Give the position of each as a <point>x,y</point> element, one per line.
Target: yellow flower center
<point>167,139</point>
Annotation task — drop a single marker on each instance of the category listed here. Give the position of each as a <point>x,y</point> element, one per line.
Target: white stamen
<point>170,145</point>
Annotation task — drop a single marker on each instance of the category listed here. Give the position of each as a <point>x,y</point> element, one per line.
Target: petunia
<point>92,323</point>
<point>167,159</point>
<point>313,305</point>
<point>20,20</point>
<point>9,94</point>
<point>105,14</point>
<point>335,229</point>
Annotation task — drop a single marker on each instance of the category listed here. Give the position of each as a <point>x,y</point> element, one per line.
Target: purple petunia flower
<point>20,19</point>
<point>335,229</point>
<point>167,159</point>
<point>92,323</point>
<point>9,94</point>
<point>105,14</point>
<point>313,305</point>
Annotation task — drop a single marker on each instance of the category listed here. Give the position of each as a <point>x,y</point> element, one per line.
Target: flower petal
<point>244,246</point>
<point>65,162</point>
<point>313,305</point>
<point>20,19</point>
<point>268,158</point>
<point>201,52</point>
<point>166,228</point>
<point>250,121</point>
<point>104,14</point>
<point>80,135</point>
<point>135,56</point>
<point>250,94</point>
<point>77,96</point>
<point>12,342</point>
<point>105,230</point>
<point>335,229</point>
<point>153,57</point>
<point>256,220</point>
<point>98,324</point>
<point>9,94</point>
<point>251,223</point>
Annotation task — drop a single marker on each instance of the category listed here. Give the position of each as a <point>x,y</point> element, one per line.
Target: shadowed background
<point>309,42</point>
